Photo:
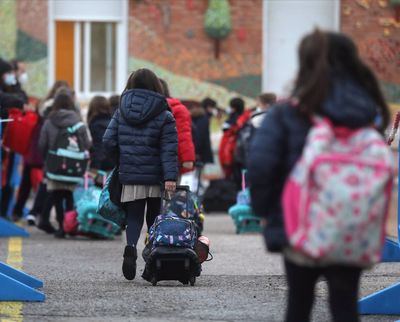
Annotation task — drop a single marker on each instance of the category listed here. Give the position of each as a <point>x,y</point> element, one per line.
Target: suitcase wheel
<point>192,281</point>
<point>154,281</point>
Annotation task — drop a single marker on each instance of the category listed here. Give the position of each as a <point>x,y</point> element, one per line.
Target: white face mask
<point>23,78</point>
<point>10,79</point>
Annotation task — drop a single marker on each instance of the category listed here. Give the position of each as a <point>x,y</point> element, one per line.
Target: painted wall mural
<point>172,36</point>
<point>169,36</point>
<point>20,29</point>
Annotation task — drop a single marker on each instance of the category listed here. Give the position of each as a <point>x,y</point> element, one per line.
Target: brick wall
<point>170,33</point>
<point>372,25</point>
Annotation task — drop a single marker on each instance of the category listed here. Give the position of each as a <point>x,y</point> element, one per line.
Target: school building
<point>94,44</point>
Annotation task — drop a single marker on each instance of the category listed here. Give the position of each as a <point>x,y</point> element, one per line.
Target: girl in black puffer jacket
<point>99,116</point>
<point>332,82</point>
<point>142,133</point>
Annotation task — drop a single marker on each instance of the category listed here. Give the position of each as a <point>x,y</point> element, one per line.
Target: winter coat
<point>54,123</point>
<point>202,135</point>
<point>34,157</point>
<point>98,156</point>
<point>186,152</point>
<point>278,145</point>
<point>144,134</point>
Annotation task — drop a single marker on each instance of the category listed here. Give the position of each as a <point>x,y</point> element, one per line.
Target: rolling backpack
<point>177,225</point>
<point>336,198</point>
<point>67,160</point>
<point>172,230</point>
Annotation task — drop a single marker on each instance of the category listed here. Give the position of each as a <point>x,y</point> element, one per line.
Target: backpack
<point>67,160</point>
<point>18,134</point>
<point>107,208</point>
<point>227,147</point>
<point>336,198</point>
<point>172,230</point>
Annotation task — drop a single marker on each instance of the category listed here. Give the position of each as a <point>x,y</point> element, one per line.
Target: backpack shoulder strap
<point>76,127</point>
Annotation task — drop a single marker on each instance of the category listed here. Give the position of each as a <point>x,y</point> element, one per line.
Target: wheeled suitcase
<point>242,213</point>
<point>170,253</point>
<point>172,263</point>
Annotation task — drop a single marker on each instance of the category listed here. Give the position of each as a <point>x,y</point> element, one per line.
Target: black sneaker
<point>48,228</point>
<point>59,234</point>
<point>129,263</point>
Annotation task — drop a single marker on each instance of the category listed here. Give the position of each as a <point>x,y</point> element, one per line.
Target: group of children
<point>150,140</point>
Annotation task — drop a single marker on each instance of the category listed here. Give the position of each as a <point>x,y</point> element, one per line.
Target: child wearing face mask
<point>20,78</point>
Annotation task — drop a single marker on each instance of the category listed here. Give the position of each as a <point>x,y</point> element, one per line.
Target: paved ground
<point>83,282</point>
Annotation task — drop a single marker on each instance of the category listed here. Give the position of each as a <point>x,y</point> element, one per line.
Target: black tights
<point>135,217</point>
<point>343,284</point>
<point>62,200</point>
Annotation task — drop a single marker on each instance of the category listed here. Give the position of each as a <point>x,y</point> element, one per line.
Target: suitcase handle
<point>167,195</point>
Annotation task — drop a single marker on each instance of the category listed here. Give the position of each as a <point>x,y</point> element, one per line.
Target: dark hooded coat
<point>142,133</point>
<point>279,142</point>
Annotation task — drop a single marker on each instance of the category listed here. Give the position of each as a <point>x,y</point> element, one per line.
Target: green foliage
<point>8,28</point>
<point>217,20</point>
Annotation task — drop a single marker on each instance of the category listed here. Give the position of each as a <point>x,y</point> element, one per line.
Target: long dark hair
<point>324,54</point>
<point>144,79</point>
<point>58,84</point>
<point>62,101</point>
<point>165,87</point>
<point>98,105</point>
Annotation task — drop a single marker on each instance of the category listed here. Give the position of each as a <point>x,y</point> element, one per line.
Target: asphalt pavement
<point>84,282</point>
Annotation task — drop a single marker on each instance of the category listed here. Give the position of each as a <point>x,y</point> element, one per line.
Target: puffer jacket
<point>279,142</point>
<point>143,133</point>
<point>202,140</point>
<point>98,157</point>
<point>186,152</point>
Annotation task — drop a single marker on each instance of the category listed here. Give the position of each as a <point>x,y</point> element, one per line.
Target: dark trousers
<point>40,199</point>
<point>343,285</point>
<point>135,217</point>
<point>62,200</point>
<point>23,192</point>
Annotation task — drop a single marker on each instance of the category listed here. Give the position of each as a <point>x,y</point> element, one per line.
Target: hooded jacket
<point>279,142</point>
<point>202,140</point>
<point>143,133</point>
<point>57,121</point>
<point>98,156</point>
<point>186,152</point>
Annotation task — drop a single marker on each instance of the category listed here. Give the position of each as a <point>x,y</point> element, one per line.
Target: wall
<point>23,25</point>
<point>372,25</point>
<point>285,24</point>
<point>169,35</point>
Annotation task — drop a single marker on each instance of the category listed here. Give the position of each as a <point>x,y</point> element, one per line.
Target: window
<point>97,56</point>
<point>88,45</point>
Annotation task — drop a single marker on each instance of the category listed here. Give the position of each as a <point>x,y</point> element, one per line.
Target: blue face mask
<point>10,79</point>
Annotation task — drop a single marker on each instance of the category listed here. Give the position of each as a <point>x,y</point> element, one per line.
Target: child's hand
<point>170,185</point>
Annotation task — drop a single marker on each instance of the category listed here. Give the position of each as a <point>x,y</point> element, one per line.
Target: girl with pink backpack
<point>321,175</point>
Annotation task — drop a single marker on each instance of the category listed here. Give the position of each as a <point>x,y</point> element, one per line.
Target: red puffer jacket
<point>186,152</point>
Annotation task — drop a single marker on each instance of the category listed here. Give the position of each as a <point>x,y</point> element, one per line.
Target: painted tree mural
<point>217,22</point>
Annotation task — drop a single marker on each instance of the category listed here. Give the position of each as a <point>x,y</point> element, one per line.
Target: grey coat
<point>55,122</point>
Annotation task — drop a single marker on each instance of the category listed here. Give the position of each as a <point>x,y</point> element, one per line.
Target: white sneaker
<point>31,220</point>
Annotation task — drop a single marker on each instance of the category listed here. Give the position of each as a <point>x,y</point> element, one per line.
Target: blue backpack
<point>172,230</point>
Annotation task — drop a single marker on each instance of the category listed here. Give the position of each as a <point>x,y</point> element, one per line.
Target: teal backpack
<point>107,209</point>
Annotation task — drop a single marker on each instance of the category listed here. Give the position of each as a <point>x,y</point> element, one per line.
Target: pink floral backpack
<point>336,199</point>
